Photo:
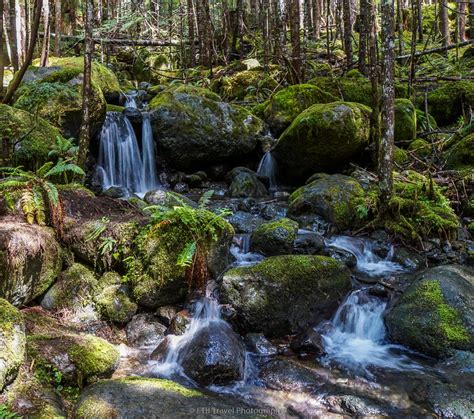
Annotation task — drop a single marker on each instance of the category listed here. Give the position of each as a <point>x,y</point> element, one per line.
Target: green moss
<point>195,90</point>
<point>420,147</point>
<point>275,237</point>
<point>93,357</point>
<point>461,155</point>
<point>26,139</point>
<point>162,384</point>
<point>405,121</point>
<point>400,156</point>
<point>354,74</point>
<point>114,108</point>
<point>423,123</point>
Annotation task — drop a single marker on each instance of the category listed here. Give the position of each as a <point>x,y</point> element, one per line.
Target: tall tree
<point>364,28</point>
<point>192,46</point>
<point>385,163</point>
<point>2,64</point>
<point>84,136</point>
<point>58,27</point>
<point>47,34</point>
<point>293,10</point>
<point>347,19</point>
<point>13,36</point>
<point>444,22</point>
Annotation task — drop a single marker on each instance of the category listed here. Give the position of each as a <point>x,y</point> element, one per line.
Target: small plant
<point>36,191</point>
<point>64,149</point>
<point>6,413</point>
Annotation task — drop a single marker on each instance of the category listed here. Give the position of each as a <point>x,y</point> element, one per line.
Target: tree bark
<point>47,35</point>
<point>347,20</point>
<point>84,136</point>
<point>364,28</point>
<point>461,21</point>
<point>58,28</point>
<point>29,55</point>
<point>294,21</point>
<point>13,36</point>
<point>385,167</point>
<point>444,23</point>
<point>192,47</point>
<point>316,19</point>
<point>471,19</point>
<point>2,64</point>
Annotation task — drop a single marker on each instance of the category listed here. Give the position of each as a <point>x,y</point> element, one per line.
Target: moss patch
<point>275,237</point>
<point>405,121</point>
<point>461,155</point>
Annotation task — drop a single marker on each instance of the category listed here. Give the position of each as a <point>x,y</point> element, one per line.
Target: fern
<point>205,199</point>
<point>186,256</point>
<point>28,206</point>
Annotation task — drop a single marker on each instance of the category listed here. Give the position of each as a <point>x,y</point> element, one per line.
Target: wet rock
<point>179,323</point>
<point>134,115</point>
<point>450,400</point>
<point>308,341</point>
<point>361,407</point>
<point>160,352</point>
<point>284,294</point>
<point>259,344</point>
<point>30,260</point>
<point>342,255</point>
<point>279,374</point>
<point>12,342</point>
<point>137,397</point>
<point>308,243</point>
<point>273,210</point>
<point>181,187</point>
<point>165,314</point>
<point>409,259</point>
<point>274,238</point>
<point>378,290</point>
<point>244,222</point>
<point>215,355</point>
<point>145,330</point>
<point>246,184</point>
<point>116,192</point>
<point>435,315</point>
<point>163,197</point>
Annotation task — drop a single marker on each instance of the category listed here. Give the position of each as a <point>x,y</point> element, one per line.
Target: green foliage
<point>64,149</point>
<point>6,413</point>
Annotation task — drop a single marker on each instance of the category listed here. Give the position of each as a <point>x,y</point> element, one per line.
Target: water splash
<point>357,337</point>
<point>267,168</point>
<point>240,250</point>
<point>367,260</point>
<point>149,176</point>
<point>131,101</point>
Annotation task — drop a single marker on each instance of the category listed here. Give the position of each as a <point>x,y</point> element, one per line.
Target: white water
<point>148,173</point>
<point>241,253</point>
<point>357,338</point>
<point>267,168</point>
<point>131,101</point>
<point>367,261</point>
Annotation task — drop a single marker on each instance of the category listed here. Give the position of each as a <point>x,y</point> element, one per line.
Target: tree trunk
<point>13,36</point>
<point>236,33</point>
<point>29,55</point>
<point>84,136</point>
<point>317,19</point>
<point>2,64</point>
<point>58,27</point>
<point>385,167</point>
<point>347,20</point>
<point>471,19</point>
<point>444,22</point>
<point>363,34</point>
<point>47,35</point>
<point>294,20</point>
<point>400,26</point>
<point>419,16</point>
<point>192,47</point>
<point>374,73</point>
<point>461,22</point>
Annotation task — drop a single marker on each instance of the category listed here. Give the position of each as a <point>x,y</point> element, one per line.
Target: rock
<point>284,294</point>
<point>322,138</point>
<point>274,238</point>
<point>405,121</point>
<point>117,192</point>
<point>285,105</point>
<point>179,323</point>
<point>409,259</point>
<point>134,115</point>
<point>244,222</point>
<point>26,138</point>
<point>112,299</point>
<point>279,374</point>
<point>308,243</point>
<point>165,314</point>
<point>461,155</point>
<point>73,291</point>
<point>421,148</point>
<point>259,344</point>
<point>12,342</point>
<point>181,187</point>
<point>308,341</point>
<point>30,260</point>
<point>137,397</point>
<point>164,198</point>
<point>145,330</point>
<point>195,132</point>
<point>246,184</point>
<point>362,407</point>
<point>215,355</point>
<point>334,197</point>
<point>346,257</point>
<point>80,358</point>
<point>435,314</point>
<point>450,401</point>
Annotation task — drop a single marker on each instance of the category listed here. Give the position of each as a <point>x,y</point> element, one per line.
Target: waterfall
<point>240,250</point>
<point>131,101</point>
<point>356,337</point>
<point>149,176</point>
<point>267,168</point>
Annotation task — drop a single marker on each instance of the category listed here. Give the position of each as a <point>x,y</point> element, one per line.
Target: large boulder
<point>245,183</point>
<point>405,121</point>
<point>435,315</point>
<point>215,355</point>
<point>195,131</point>
<point>324,137</point>
<point>284,294</point>
<point>461,155</point>
<point>284,106</point>
<point>136,398</point>
<point>275,237</point>
<point>12,342</point>
<point>25,138</point>
<point>30,261</point>
<point>333,197</point>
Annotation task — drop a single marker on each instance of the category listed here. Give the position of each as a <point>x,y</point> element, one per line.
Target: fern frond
<point>12,184</point>
<point>63,167</point>
<point>52,192</point>
<point>185,257</point>
<point>41,172</point>
<point>205,199</point>
<point>39,206</point>
<point>28,206</point>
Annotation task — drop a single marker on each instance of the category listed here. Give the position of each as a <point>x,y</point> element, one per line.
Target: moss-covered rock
<point>275,237</point>
<point>73,291</point>
<point>420,147</point>
<point>25,139</point>
<point>284,106</point>
<point>194,90</point>
<point>12,342</point>
<point>405,121</point>
<point>400,156</point>
<point>195,131</point>
<point>30,260</point>
<point>450,101</point>
<point>461,155</point>
<point>284,294</point>
<point>435,314</point>
<point>246,184</point>
<point>324,137</point>
<point>423,123</point>
<point>334,197</point>
<point>58,99</point>
<point>137,397</point>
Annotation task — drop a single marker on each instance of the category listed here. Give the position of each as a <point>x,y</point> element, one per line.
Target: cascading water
<point>148,173</point>
<point>240,250</point>
<point>267,168</point>
<point>357,336</point>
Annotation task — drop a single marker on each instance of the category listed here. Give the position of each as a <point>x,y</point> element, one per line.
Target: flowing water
<point>240,250</point>
<point>267,168</point>
<point>148,172</point>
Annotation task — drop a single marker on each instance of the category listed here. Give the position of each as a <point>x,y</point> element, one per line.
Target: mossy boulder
<point>137,397</point>
<point>25,139</point>
<point>461,155</point>
<point>284,294</point>
<point>400,156</point>
<point>336,198</point>
<point>420,147</point>
<point>59,101</point>
<point>284,106</point>
<point>435,315</point>
<point>194,90</point>
<point>450,101</point>
<point>245,183</point>
<point>405,121</point>
<point>80,358</point>
<point>12,342</point>
<point>112,299</point>
<point>423,123</point>
<point>73,291</point>
<point>275,237</point>
<point>30,261</point>
<point>324,137</point>
<point>154,275</point>
<point>195,132</point>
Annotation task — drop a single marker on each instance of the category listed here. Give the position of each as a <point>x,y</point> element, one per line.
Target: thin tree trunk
<point>347,20</point>
<point>2,64</point>
<point>58,27</point>
<point>29,56</point>
<point>13,36</point>
<point>84,136</point>
<point>461,22</point>
<point>192,47</point>
<point>294,20</point>
<point>316,19</point>
<point>47,35</point>
<point>363,35</point>
<point>419,16</point>
<point>374,74</point>
<point>444,23</point>
<point>471,19</point>
<point>400,26</point>
<point>385,167</point>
